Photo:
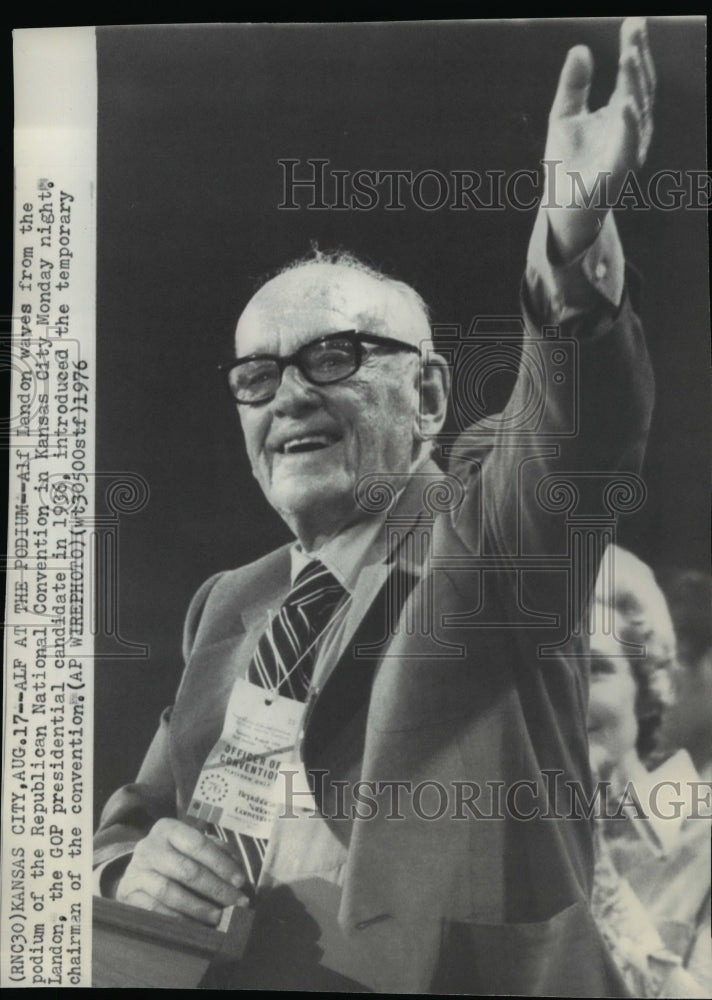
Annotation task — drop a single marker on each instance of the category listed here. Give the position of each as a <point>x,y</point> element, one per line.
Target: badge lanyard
<point>238,787</point>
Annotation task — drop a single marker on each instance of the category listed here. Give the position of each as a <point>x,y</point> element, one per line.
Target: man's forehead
<point>322,298</point>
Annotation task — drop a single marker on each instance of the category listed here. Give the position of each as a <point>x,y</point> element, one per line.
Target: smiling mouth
<point>309,442</point>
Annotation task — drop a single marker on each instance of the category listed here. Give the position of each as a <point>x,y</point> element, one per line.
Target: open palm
<point>589,148</point>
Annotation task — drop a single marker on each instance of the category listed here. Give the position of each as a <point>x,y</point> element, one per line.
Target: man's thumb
<point>574,83</point>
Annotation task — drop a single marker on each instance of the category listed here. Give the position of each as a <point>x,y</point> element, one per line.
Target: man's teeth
<point>307,443</point>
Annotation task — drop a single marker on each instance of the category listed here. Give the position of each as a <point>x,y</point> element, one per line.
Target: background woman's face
<point>612,723</point>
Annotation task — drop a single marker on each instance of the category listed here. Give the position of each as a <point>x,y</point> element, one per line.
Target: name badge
<point>238,788</point>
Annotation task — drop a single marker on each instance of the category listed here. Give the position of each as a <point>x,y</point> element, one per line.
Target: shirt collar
<point>346,554</point>
<point>343,555</point>
<point>669,796</point>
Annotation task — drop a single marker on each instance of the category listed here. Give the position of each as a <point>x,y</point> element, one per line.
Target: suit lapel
<point>390,550</point>
<point>350,655</point>
<point>234,617</point>
<point>264,590</point>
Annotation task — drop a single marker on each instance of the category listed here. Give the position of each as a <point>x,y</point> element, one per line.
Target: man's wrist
<point>574,230</point>
<point>562,289</point>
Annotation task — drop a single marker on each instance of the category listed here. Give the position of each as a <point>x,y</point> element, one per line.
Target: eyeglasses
<point>255,379</point>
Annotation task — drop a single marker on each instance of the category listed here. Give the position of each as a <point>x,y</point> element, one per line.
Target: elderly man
<point>338,691</point>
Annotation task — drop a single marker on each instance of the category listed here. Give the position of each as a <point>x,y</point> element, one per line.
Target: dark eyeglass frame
<point>357,338</point>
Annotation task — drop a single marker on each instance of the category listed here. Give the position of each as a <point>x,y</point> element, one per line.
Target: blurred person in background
<point>651,895</point>
<point>686,723</point>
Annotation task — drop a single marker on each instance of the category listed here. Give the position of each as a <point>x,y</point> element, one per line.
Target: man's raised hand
<point>600,146</point>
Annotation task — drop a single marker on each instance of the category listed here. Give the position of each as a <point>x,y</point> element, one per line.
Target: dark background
<point>192,122</point>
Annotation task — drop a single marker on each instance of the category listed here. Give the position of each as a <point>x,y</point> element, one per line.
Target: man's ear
<point>434,391</point>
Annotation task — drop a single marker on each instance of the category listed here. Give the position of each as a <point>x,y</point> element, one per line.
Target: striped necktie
<point>284,658</point>
<point>283,663</point>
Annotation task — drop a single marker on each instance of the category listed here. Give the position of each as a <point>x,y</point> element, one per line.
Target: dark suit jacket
<point>469,904</point>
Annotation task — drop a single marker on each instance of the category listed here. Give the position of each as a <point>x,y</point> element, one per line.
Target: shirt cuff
<point>108,874</point>
<point>595,276</point>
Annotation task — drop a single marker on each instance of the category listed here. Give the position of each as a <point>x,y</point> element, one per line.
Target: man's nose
<point>294,393</point>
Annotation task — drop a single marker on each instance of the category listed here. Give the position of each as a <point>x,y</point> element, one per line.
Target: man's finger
<point>194,844</point>
<point>634,39</point>
<point>634,143</point>
<point>194,876</point>
<point>209,854</point>
<point>137,897</point>
<point>640,37</point>
<point>574,83</point>
<point>634,91</point>
<point>635,48</point>
<point>630,85</point>
<point>157,891</point>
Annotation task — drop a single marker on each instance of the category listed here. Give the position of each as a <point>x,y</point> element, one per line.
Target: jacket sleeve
<point>577,419</point>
